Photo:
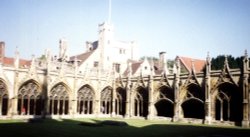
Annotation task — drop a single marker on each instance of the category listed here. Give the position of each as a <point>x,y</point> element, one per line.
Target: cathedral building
<point>108,80</point>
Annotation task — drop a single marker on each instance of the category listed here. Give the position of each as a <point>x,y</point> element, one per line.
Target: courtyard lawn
<point>93,128</point>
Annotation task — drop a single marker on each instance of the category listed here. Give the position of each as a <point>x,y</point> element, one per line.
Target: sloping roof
<point>187,63</point>
<point>82,57</point>
<point>135,66</point>
<point>10,62</point>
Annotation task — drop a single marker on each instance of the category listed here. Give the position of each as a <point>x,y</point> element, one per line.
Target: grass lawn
<point>135,128</point>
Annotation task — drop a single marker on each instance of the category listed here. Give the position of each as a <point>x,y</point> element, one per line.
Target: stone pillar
<point>128,98</point>
<point>246,105</point>
<point>46,90</point>
<point>208,116</point>
<point>15,89</point>
<point>113,113</point>
<point>150,98</point>
<point>75,90</point>
<point>177,107</point>
<point>96,103</point>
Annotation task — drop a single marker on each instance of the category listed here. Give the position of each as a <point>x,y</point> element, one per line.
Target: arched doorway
<point>193,102</point>
<point>4,99</point>
<point>59,100</point>
<point>120,101</point>
<point>85,99</point>
<point>106,100</point>
<point>141,102</point>
<point>165,105</point>
<point>165,108</point>
<point>228,103</point>
<point>193,108</point>
<point>29,99</point>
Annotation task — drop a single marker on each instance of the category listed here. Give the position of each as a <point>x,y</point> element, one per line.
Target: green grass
<point>135,128</point>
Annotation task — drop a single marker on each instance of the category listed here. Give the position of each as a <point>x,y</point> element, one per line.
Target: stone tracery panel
<point>59,100</point>
<point>29,99</point>
<point>120,101</point>
<point>85,100</point>
<point>106,100</point>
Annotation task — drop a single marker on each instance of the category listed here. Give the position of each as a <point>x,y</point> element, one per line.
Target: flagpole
<point>109,16</point>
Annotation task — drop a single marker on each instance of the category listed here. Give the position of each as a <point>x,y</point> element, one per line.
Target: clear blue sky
<point>179,27</point>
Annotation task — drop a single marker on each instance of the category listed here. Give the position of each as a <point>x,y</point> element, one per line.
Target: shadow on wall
<point>111,128</point>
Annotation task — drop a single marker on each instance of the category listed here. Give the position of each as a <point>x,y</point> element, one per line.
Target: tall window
<point>85,100</point>
<point>29,99</point>
<point>59,100</point>
<point>117,67</point>
<point>106,100</point>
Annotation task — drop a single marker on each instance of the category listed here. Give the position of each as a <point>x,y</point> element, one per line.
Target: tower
<point>106,38</point>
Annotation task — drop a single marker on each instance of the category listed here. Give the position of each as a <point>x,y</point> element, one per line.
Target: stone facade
<point>61,88</point>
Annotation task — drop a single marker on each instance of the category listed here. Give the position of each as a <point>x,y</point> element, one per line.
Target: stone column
<point>113,99</point>
<point>177,107</point>
<point>246,105</point>
<point>14,100</point>
<point>208,116</point>
<point>127,105</point>
<point>150,98</point>
<point>97,100</point>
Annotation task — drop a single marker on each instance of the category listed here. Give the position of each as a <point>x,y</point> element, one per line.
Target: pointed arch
<point>164,103</point>
<point>106,100</point>
<point>141,102</point>
<point>193,101</point>
<point>30,101</point>
<point>227,102</point>
<point>193,108</point>
<point>85,100</point>
<point>4,98</point>
<point>59,99</point>
<point>120,101</point>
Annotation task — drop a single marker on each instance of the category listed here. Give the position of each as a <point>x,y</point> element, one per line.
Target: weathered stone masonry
<point>57,89</point>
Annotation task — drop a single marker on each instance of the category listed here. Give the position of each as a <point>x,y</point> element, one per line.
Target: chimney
<point>162,60</point>
<point>2,51</point>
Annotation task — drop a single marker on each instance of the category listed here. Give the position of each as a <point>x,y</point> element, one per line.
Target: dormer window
<point>96,64</point>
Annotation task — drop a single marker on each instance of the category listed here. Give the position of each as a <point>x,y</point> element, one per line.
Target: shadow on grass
<point>111,128</point>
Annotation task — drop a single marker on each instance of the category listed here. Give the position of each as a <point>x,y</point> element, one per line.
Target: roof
<point>135,66</point>
<point>187,63</point>
<point>82,57</point>
<point>10,62</point>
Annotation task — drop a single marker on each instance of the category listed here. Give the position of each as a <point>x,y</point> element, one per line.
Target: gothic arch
<point>141,102</point>
<point>193,101</point>
<point>227,102</point>
<point>165,102</point>
<point>120,101</point>
<point>30,98</point>
<point>59,99</point>
<point>106,100</point>
<point>85,100</point>
<point>4,98</point>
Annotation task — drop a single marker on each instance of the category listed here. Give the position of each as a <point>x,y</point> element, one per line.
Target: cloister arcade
<point>210,96</point>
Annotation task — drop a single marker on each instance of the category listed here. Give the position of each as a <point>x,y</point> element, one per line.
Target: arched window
<point>106,100</point>
<point>59,100</point>
<point>141,102</point>
<point>29,99</point>
<point>4,99</point>
<point>85,98</point>
<point>120,101</point>
<point>228,103</point>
